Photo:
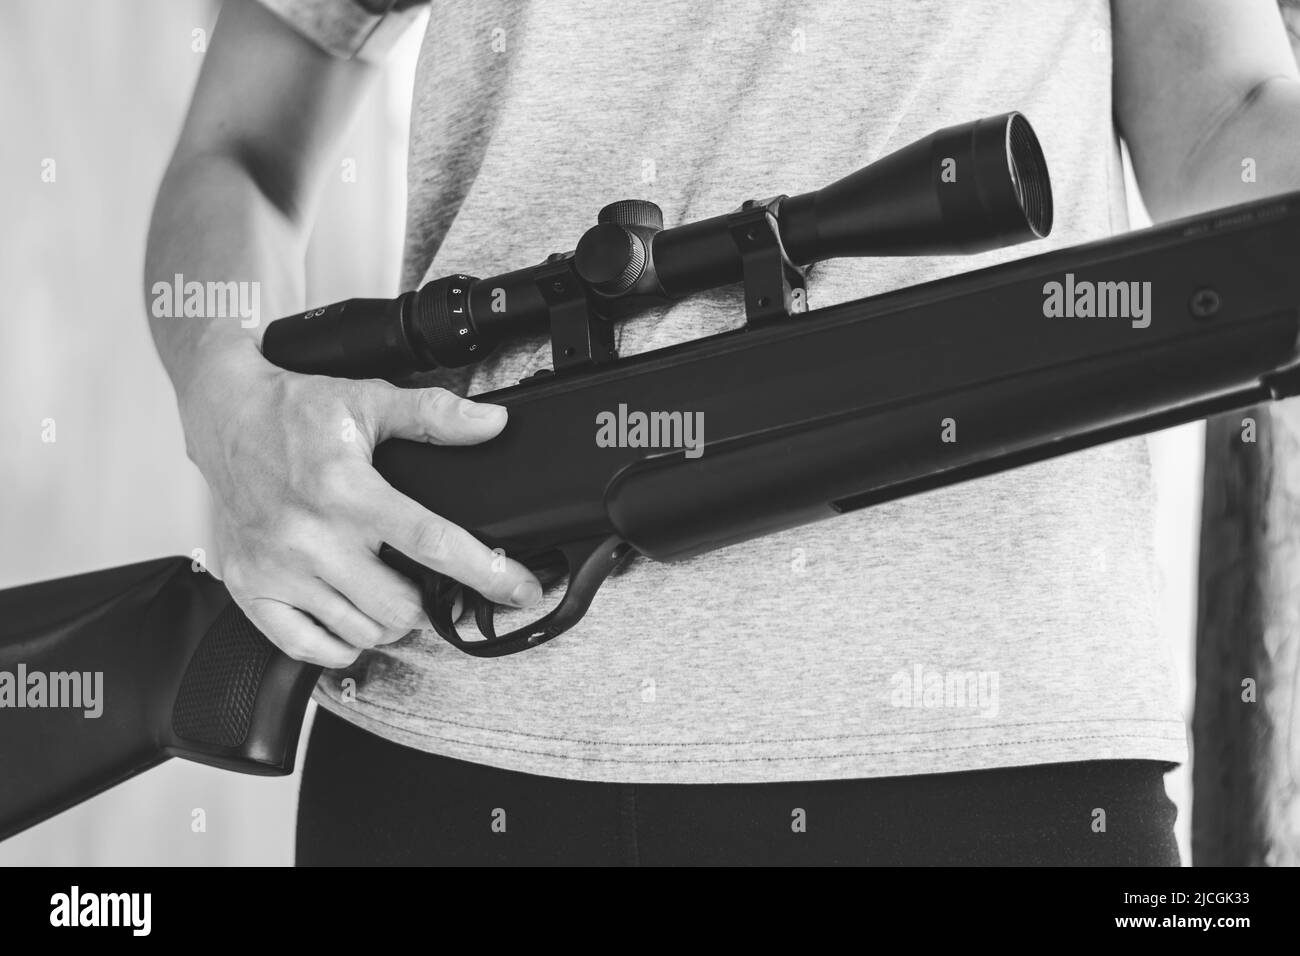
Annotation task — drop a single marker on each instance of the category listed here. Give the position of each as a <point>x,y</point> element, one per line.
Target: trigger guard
<point>589,562</point>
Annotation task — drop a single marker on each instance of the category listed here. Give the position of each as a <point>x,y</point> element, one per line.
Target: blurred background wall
<point>92,96</point>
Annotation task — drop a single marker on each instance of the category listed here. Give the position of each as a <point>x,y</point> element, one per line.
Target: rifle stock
<point>184,674</point>
<point>805,419</point>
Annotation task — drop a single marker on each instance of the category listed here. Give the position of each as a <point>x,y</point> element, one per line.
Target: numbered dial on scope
<point>443,323</point>
<point>458,308</point>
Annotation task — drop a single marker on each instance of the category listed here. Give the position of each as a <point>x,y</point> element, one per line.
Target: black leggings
<point>366,800</point>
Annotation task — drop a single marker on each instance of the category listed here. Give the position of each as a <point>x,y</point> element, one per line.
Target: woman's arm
<point>299,511</point>
<point>1207,96</point>
<point>238,199</point>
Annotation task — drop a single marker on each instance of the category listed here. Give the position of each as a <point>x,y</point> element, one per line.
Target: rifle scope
<point>963,189</point>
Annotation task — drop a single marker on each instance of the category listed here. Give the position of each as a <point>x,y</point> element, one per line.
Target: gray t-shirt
<point>1002,622</point>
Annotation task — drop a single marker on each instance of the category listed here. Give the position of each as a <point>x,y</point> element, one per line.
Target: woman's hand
<point>301,512</point>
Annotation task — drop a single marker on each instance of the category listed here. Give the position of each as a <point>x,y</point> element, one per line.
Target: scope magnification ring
<point>443,325</point>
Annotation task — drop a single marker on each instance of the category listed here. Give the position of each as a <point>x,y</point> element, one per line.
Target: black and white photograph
<point>662,433</point>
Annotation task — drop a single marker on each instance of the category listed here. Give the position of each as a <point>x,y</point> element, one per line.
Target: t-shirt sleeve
<point>361,29</point>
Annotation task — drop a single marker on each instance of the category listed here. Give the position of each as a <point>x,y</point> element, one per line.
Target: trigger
<point>550,568</point>
<point>444,600</point>
<point>484,617</point>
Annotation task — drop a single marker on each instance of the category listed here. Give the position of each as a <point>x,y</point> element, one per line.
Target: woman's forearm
<point>1207,96</point>
<point>1254,153</point>
<point>222,260</point>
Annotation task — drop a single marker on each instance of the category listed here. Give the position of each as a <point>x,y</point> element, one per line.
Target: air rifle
<point>807,415</point>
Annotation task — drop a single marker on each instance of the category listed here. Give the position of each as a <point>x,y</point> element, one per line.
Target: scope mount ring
<point>774,286</point>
